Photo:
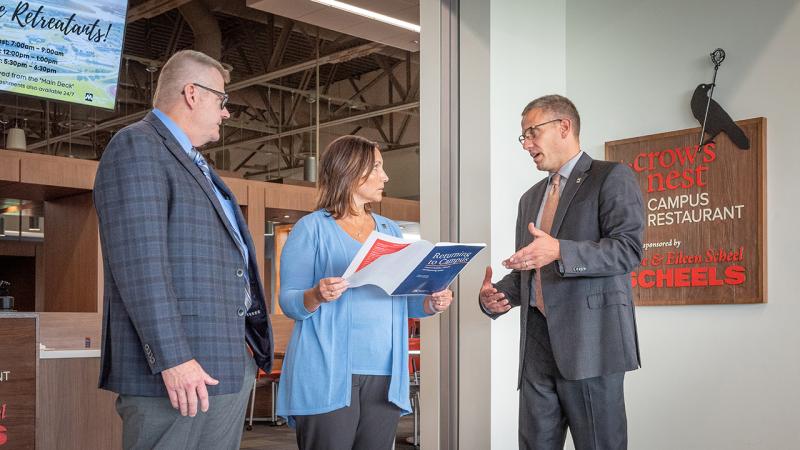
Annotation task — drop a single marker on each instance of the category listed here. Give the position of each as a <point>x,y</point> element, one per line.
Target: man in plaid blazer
<point>184,319</point>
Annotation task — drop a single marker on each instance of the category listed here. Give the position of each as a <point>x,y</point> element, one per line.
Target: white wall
<point>527,60</point>
<point>474,225</point>
<point>714,377</point>
<point>430,203</point>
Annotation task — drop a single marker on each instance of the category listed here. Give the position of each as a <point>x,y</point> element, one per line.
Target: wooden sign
<point>705,234</point>
<point>18,359</point>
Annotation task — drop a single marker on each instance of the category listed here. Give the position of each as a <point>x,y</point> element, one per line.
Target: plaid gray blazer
<point>173,274</point>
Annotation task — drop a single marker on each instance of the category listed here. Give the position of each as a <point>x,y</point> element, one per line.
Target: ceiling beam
<point>354,104</point>
<point>339,56</point>
<point>264,170</point>
<point>296,100</point>
<point>336,57</point>
<point>378,125</point>
<point>283,40</point>
<point>331,123</point>
<point>123,120</point>
<point>390,72</point>
<point>362,89</point>
<point>244,161</point>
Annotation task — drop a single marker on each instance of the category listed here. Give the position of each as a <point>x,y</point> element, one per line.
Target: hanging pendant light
<point>15,139</point>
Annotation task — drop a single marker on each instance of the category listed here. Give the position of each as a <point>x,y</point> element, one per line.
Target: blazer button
<point>240,311</point>
<point>239,273</point>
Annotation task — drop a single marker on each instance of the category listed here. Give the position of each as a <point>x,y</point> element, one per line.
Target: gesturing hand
<point>493,300</point>
<point>186,384</point>
<point>542,251</point>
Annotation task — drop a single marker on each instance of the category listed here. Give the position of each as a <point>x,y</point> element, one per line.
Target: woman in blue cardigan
<point>344,382</point>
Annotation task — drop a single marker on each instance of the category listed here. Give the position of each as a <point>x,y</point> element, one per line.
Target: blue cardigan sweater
<point>317,374</point>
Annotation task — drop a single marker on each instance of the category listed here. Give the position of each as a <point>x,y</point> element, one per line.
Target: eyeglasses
<point>533,132</point>
<point>223,97</point>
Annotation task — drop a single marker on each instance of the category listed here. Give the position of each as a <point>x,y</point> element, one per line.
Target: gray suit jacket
<point>588,297</point>
<point>173,274</point>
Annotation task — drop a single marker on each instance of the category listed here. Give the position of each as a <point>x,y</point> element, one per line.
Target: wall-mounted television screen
<point>66,50</point>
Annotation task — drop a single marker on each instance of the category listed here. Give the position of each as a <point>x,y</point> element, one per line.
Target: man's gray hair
<point>559,106</point>
<point>184,67</point>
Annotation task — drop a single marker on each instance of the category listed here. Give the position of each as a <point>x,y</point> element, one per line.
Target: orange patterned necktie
<point>550,205</point>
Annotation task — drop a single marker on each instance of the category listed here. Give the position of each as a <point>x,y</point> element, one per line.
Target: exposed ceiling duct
<point>207,36</point>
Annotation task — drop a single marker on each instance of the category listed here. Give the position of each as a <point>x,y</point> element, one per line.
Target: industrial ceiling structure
<point>301,74</point>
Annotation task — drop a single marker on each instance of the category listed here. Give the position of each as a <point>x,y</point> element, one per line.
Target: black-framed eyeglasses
<point>223,97</point>
<point>533,132</point>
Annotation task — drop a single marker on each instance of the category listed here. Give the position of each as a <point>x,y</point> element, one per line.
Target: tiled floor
<point>265,437</point>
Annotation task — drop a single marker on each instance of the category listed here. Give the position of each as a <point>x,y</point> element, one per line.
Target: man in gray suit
<point>578,236</point>
<point>182,297</point>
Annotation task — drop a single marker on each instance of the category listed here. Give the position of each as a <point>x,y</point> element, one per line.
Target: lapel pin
<point>577,180</point>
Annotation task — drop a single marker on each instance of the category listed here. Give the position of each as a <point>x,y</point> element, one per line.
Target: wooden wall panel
<point>9,166</point>
<point>71,255</point>
<point>400,209</point>
<point>40,277</point>
<point>281,234</point>
<point>282,327</point>
<point>256,223</point>
<point>18,350</point>
<point>239,188</point>
<point>64,330</point>
<point>298,198</point>
<point>73,412</point>
<point>57,171</point>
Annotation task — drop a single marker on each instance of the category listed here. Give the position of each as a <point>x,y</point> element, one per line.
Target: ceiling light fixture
<point>369,14</point>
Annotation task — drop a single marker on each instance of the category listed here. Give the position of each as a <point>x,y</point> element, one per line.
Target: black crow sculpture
<point>717,120</point>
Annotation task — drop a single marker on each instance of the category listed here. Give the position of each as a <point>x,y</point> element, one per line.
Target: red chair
<point>413,328</point>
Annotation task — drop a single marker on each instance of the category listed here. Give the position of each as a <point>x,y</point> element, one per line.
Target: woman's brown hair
<point>342,168</point>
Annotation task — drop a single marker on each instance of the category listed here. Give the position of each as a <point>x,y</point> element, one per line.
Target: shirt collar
<point>176,131</point>
<point>566,170</point>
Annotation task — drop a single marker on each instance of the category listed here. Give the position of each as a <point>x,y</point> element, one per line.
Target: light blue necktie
<point>200,161</point>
